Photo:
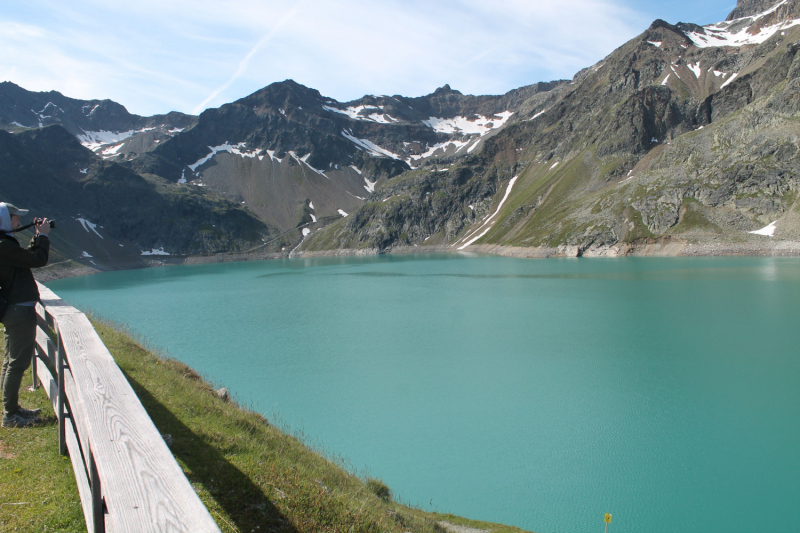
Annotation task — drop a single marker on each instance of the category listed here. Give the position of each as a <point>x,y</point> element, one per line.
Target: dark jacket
<point>16,279</point>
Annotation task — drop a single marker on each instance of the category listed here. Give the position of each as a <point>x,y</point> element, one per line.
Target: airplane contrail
<point>246,60</point>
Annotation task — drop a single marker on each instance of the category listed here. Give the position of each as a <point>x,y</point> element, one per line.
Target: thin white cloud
<point>243,64</point>
<point>154,56</point>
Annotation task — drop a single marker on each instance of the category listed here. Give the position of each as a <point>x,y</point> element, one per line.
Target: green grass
<point>251,475</point>
<point>640,229</point>
<point>37,485</point>
<point>692,220</point>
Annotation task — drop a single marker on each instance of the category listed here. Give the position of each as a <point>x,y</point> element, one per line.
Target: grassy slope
<point>250,475</point>
<point>37,486</point>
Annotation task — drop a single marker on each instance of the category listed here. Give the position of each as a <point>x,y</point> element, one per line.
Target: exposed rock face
<point>107,213</point>
<point>684,132</point>
<point>286,154</point>
<point>21,109</point>
<point>749,8</point>
<point>671,135</point>
<point>286,147</point>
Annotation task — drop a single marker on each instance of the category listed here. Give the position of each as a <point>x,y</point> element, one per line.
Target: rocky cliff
<point>684,132</point>
<point>108,215</point>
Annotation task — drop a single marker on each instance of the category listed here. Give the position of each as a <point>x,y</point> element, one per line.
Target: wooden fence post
<point>98,512</point>
<point>60,366</point>
<point>35,384</point>
<point>127,478</point>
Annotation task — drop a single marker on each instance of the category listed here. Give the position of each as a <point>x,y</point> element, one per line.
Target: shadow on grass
<point>244,502</point>
<point>47,420</point>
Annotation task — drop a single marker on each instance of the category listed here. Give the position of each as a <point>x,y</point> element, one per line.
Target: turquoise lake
<point>536,393</point>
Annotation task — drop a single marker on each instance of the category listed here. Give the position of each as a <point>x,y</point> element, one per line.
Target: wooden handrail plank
<point>40,315</point>
<point>45,293</point>
<point>81,478</point>
<point>48,384</point>
<point>51,388</point>
<point>50,310</point>
<point>77,410</point>
<point>144,487</point>
<point>47,349</point>
<point>52,302</point>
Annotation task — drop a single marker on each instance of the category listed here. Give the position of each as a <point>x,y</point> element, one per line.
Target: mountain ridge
<point>554,165</point>
<point>660,86</point>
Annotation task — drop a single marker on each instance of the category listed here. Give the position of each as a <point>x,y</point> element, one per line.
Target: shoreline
<point>664,247</point>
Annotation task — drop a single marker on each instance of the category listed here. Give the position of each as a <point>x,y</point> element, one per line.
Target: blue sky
<point>188,55</point>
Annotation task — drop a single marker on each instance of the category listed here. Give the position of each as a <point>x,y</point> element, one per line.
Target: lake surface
<point>537,393</point>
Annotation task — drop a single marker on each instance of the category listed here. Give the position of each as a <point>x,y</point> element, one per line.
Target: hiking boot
<point>28,413</point>
<point>18,421</point>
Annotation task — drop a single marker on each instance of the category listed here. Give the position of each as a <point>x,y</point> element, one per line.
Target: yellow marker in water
<point>607,520</point>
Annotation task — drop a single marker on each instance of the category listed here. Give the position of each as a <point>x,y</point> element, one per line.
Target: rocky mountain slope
<point>294,157</point>
<point>104,126</point>
<point>109,216</point>
<point>290,157</point>
<point>685,132</point>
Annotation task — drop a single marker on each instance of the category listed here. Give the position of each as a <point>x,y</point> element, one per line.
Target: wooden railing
<point>127,478</point>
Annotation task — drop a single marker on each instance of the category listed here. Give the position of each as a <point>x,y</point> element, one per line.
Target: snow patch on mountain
<point>489,219</point>
<point>476,125</point>
<point>89,226</point>
<point>733,33</point>
<point>370,185</point>
<point>47,106</point>
<point>112,151</point>
<point>304,160</point>
<point>368,146</point>
<point>159,251</point>
<point>94,140</point>
<point>733,77</point>
<point>445,145</point>
<point>696,69</point>
<point>227,147</point>
<point>539,114</point>
<point>355,113</point>
<point>768,230</point>
<point>474,146</point>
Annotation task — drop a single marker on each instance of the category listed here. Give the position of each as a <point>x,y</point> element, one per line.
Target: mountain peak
<point>445,89</point>
<point>281,93</point>
<point>749,8</point>
<point>660,23</point>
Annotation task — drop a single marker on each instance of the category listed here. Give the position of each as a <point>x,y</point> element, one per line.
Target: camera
<point>39,221</point>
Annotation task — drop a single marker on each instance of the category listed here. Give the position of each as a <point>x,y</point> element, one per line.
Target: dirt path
<point>452,528</point>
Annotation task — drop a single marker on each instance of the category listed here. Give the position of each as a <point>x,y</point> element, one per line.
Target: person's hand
<point>43,228</point>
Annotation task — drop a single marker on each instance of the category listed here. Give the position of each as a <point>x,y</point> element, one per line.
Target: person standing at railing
<point>18,288</point>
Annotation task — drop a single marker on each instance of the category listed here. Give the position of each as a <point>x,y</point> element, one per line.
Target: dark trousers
<point>20,323</point>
